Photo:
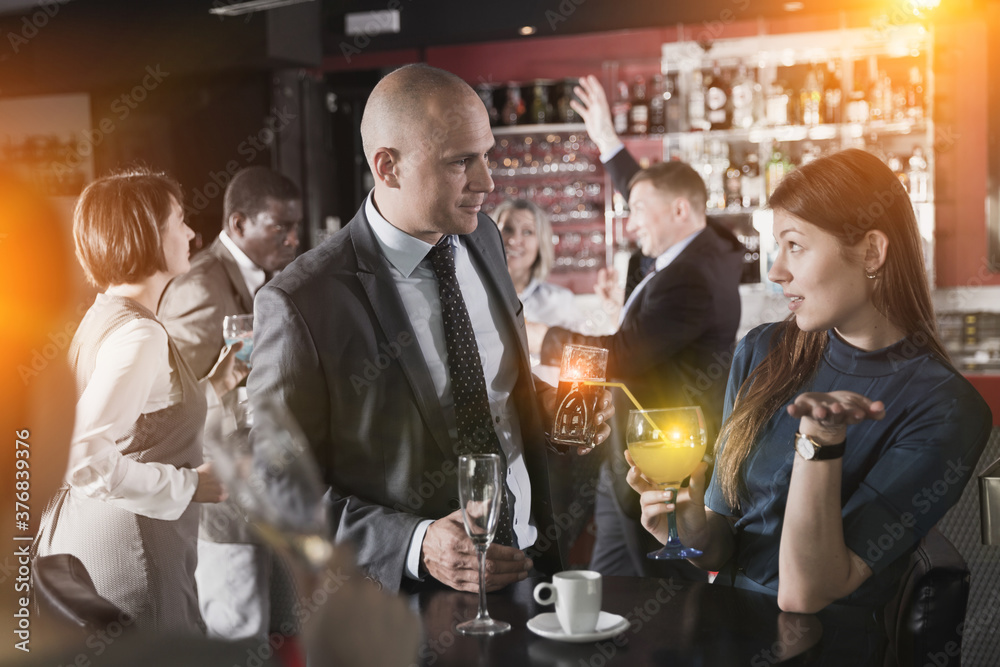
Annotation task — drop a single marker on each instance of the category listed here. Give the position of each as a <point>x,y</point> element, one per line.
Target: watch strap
<point>824,452</point>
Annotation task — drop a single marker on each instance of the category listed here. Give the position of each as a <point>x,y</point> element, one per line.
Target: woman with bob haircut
<point>838,417</point>
<point>127,508</point>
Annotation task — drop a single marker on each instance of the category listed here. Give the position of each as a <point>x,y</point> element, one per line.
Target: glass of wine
<point>263,459</point>
<point>667,445</point>
<point>479,487</point>
<point>239,328</point>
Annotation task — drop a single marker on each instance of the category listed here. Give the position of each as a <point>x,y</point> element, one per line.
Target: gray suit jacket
<point>194,304</point>
<point>192,309</point>
<point>334,343</point>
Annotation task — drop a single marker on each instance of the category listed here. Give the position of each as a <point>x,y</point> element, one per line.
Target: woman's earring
<point>871,274</point>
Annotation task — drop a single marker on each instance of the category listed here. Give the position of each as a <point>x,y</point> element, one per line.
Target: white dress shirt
<point>417,285</point>
<point>662,262</point>
<point>132,376</point>
<point>253,275</point>
<point>551,305</point>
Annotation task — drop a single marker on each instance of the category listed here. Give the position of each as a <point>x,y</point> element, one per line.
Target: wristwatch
<point>811,450</point>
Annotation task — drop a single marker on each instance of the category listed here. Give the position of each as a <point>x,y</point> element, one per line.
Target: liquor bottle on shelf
<point>673,106</point>
<point>919,176</point>
<point>718,106</point>
<point>794,105</point>
<point>638,115</point>
<point>880,97</point>
<point>743,99</point>
<point>777,166</point>
<point>566,113</point>
<point>541,108</point>
<point>696,103</point>
<point>857,104</point>
<point>716,163</point>
<point>896,164</point>
<point>915,95</point>
<point>751,184</point>
<point>777,104</point>
<point>810,152</point>
<point>513,108</point>
<point>811,98</point>
<point>832,95</point>
<point>734,184</point>
<point>620,108</point>
<point>485,92</point>
<point>657,106</point>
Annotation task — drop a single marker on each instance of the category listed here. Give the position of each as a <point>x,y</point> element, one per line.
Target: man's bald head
<point>404,105</point>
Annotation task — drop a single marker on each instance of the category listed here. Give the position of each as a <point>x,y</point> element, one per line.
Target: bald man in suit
<point>351,337</point>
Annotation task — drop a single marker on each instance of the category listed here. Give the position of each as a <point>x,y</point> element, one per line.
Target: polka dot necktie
<point>468,383</point>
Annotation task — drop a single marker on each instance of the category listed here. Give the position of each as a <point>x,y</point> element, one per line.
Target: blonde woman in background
<point>527,240</point>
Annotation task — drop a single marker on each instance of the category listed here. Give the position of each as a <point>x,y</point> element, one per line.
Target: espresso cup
<point>577,596</point>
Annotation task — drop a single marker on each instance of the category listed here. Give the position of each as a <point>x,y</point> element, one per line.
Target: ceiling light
<point>221,8</point>
<point>794,6</point>
<point>528,30</point>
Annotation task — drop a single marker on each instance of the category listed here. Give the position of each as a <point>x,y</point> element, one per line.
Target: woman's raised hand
<point>826,416</point>
<point>690,504</point>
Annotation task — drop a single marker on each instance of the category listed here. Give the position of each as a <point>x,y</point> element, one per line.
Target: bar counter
<point>671,622</point>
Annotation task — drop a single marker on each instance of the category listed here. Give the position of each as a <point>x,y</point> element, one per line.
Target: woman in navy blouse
<point>848,434</point>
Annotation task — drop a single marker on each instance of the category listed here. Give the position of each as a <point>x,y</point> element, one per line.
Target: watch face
<point>805,448</point>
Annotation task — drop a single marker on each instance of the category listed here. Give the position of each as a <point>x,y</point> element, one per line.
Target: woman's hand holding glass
<point>228,371</point>
<point>826,416</point>
<point>692,520</point>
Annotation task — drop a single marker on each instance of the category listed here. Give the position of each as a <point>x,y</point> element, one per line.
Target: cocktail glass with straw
<point>666,446</point>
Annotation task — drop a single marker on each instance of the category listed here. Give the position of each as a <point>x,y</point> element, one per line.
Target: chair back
<point>924,620</point>
<point>66,596</point>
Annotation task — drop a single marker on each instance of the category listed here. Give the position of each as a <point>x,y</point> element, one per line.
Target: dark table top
<point>672,622</point>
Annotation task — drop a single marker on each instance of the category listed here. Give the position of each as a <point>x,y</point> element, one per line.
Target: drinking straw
<point>627,393</point>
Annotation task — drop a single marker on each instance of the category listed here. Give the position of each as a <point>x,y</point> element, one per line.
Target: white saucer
<point>608,625</point>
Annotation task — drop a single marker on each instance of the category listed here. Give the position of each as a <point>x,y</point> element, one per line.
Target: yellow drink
<point>667,461</point>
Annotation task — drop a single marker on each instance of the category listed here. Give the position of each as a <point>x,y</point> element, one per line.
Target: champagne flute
<point>264,461</point>
<point>479,487</point>
<point>667,445</point>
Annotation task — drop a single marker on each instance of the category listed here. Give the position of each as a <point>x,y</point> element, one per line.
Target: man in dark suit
<point>262,211</point>
<point>676,330</point>
<point>352,337</point>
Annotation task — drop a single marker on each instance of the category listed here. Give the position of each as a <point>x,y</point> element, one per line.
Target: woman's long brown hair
<point>846,194</point>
